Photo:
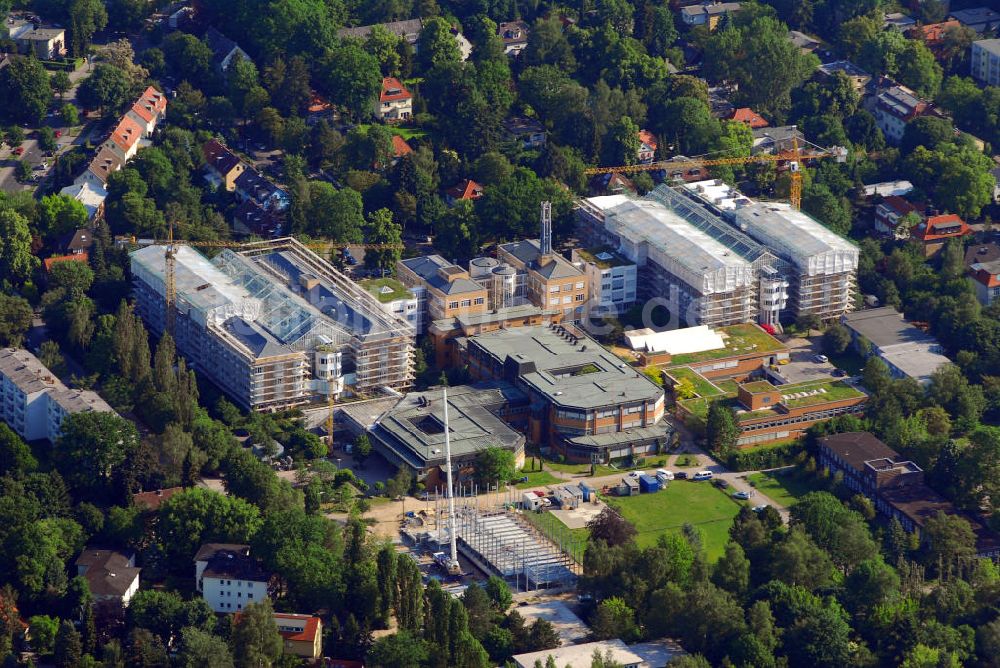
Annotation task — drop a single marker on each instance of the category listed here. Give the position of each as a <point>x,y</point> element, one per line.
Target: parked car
<point>636,474</point>
<point>19,150</point>
<point>681,475</point>
<point>821,358</point>
<point>702,475</point>
<point>664,474</point>
<point>720,483</point>
<point>742,496</point>
<point>58,134</point>
<point>760,508</point>
<point>839,373</point>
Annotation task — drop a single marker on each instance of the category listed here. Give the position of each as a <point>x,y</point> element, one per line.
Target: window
<point>452,304</point>
<point>249,595</point>
<point>554,301</point>
<point>579,286</point>
<point>466,303</point>
<point>579,298</point>
<point>480,301</point>
<point>553,288</point>
<point>567,300</point>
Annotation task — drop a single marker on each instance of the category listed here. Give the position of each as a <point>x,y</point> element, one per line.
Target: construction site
<point>718,257</point>
<point>272,324</point>
<point>498,538</point>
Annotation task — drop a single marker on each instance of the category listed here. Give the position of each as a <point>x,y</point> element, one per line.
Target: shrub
<point>764,457</point>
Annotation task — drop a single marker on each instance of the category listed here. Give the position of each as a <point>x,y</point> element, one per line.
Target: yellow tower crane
<point>794,157</point>
<point>170,282</point>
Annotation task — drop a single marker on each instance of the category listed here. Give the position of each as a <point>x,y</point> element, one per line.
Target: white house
<point>111,575</point>
<point>399,300</point>
<point>895,107</point>
<point>395,103</point>
<point>148,110</point>
<point>33,402</point>
<point>229,578</point>
<point>986,61</point>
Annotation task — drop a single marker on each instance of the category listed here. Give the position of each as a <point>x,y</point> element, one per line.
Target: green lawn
<point>701,385</point>
<point>729,386</point>
<point>682,502</point>
<point>537,478</point>
<point>784,488</point>
<point>687,461</point>
<point>404,132</point>
<point>740,339</point>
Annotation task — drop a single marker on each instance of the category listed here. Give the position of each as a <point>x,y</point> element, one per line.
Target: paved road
<point>32,151</point>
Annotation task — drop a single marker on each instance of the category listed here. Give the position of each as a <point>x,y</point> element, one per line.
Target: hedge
<point>68,65</point>
<point>764,457</point>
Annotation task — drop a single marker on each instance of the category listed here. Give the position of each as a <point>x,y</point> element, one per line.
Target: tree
<point>43,631</point>
<point>199,515</point>
<point>108,88</point>
<point>611,527</point>
<point>797,560</point>
<point>732,571</point>
<point>94,449</point>
<point>60,215</point>
<point>256,641</point>
<point>614,619</point>
<point>399,650</point>
<point>16,258</point>
<point>351,78</point>
<point>362,448</point>
<point>15,319</point>
<point>25,90</point>
<point>188,57</point>
<point>819,637</point>
<point>919,69</point>
<point>721,428</point>
<point>927,131</point>
<point>621,146</point>
<point>950,540</point>
<point>73,277</point>
<point>836,339</point>
<point>499,593</point>
<point>334,214</point>
<point>832,211</point>
<point>495,466</point>
<point>436,45</point>
<point>199,649</point>
<point>68,650</point>
<point>60,83</point>
<point>383,231</point>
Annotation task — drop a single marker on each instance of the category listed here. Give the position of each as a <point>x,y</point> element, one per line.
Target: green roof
<point>740,340</point>
<point>759,386</point>
<point>813,393</point>
<point>386,289</point>
<point>591,255</point>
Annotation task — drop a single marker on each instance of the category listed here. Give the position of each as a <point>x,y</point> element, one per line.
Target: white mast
<point>453,565</point>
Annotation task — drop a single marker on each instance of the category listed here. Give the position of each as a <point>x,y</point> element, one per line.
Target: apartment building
<point>395,103</point>
<point>228,578</point>
<point>611,278</point>
<point>907,350</point>
<point>399,300</point>
<point>33,402</point>
<point>275,325</point>
<point>895,107</point>
<point>449,289</point>
<point>585,403</point>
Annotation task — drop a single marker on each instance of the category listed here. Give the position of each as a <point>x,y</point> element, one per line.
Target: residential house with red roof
<point>888,213</point>
<point>895,107</point>
<point>400,148</point>
<point>749,117</point>
<point>933,34</point>
<point>647,147</point>
<point>936,230</point>
<point>154,499</point>
<point>465,189</point>
<point>302,634</point>
<point>149,110</point>
<point>395,103</point>
<point>124,139</point>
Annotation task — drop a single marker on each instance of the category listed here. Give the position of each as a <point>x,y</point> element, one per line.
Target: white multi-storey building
<point>228,578</point>
<point>612,278</point>
<point>33,402</point>
<point>986,61</point>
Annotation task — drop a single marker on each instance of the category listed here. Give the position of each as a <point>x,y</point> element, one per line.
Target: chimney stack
<point>546,238</point>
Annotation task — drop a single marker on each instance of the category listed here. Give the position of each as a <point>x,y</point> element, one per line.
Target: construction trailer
<point>568,497</point>
<point>629,486</point>
<point>274,325</point>
<point>648,484</point>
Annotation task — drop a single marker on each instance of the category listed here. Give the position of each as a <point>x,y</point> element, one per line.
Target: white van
<point>664,475</point>
<point>702,475</point>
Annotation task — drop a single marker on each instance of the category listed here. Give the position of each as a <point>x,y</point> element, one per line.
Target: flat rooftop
<point>414,428</point>
<point>386,289</point>
<point>603,257</point>
<point>568,625</point>
<point>571,370</point>
<point>885,327</point>
<point>31,376</point>
<point>580,655</point>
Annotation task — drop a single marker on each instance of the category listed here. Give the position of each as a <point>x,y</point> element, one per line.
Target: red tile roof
<point>750,117</point>
<point>153,500</point>
<point>934,32</point>
<point>466,189</point>
<point>308,634</point>
<point>154,97</point>
<point>648,138</point>
<point>987,278</point>
<point>899,205</point>
<point>145,111</point>
<point>126,133</point>
<point>393,90</point>
<point>945,226</point>
<point>400,147</point>
<point>56,259</point>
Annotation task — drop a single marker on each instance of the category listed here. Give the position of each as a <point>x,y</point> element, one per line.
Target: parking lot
<point>803,365</point>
